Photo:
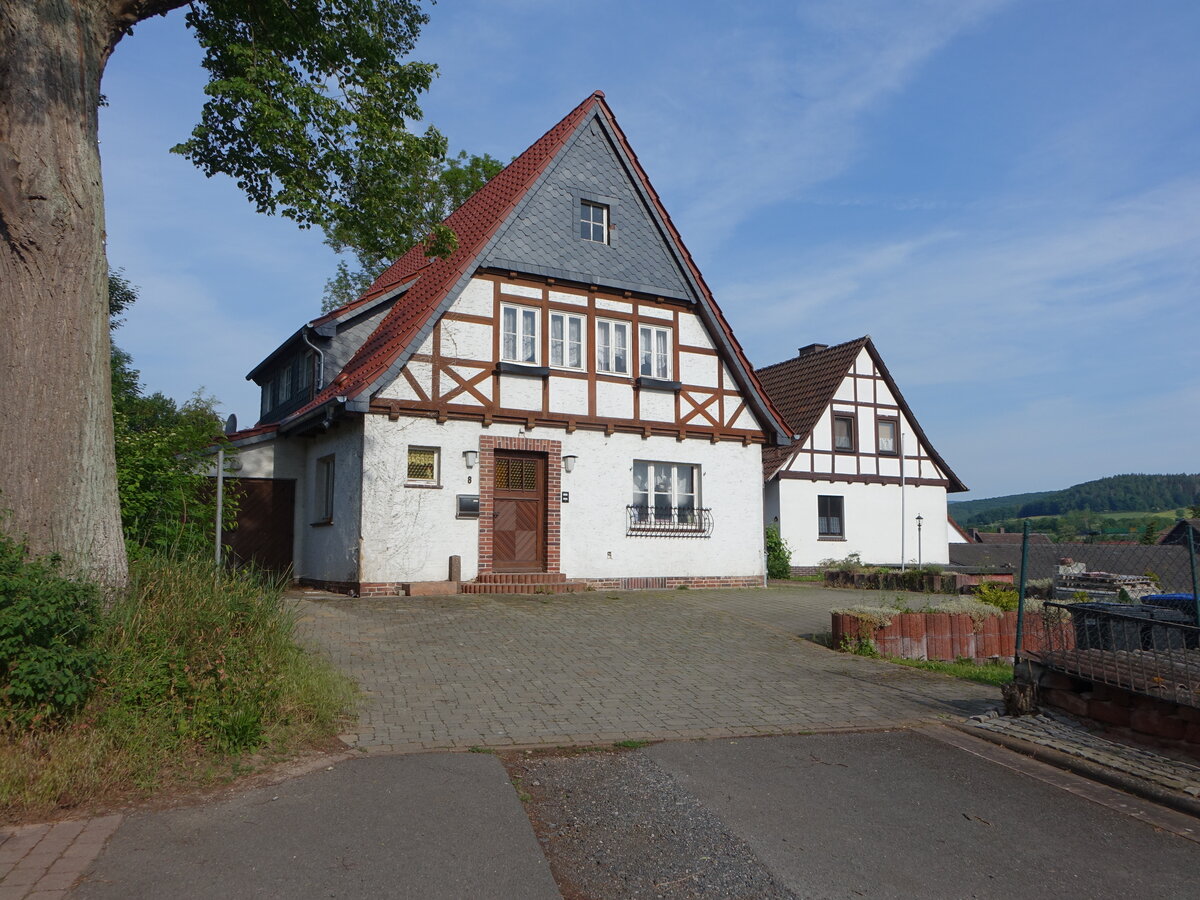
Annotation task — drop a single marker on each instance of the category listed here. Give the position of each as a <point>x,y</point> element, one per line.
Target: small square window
<point>422,465</point>
<point>593,222</point>
<point>830,522</point>
<point>843,433</point>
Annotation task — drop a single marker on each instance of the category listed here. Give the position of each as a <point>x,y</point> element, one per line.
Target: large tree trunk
<point>57,471</point>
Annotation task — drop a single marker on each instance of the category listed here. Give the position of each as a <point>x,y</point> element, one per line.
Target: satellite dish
<point>231,423</point>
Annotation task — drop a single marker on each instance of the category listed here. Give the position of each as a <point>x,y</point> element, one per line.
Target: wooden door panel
<point>519,520</point>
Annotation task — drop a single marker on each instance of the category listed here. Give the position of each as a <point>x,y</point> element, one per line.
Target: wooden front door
<point>519,526</point>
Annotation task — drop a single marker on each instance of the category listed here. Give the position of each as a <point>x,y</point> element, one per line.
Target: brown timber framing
<point>699,410</point>
<point>443,412</point>
<point>862,479</point>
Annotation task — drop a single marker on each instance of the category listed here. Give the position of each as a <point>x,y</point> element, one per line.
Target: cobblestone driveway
<point>461,671</point>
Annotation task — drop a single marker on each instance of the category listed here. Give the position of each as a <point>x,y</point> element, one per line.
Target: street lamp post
<point>920,520</point>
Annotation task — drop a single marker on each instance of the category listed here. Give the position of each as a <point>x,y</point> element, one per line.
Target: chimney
<point>811,348</point>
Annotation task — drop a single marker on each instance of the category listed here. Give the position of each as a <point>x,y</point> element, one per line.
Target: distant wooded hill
<point>1117,493</point>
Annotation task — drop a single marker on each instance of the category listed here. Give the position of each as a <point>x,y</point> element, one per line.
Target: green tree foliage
<point>167,502</point>
<point>1118,493</point>
<point>1149,533</point>
<point>442,187</point>
<point>308,109</point>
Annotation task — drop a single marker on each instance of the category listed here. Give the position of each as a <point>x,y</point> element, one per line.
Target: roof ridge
<point>830,348</point>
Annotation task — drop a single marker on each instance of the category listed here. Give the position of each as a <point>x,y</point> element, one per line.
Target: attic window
<point>593,222</point>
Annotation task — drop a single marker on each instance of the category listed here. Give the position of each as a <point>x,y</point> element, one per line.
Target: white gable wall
<point>872,511</point>
<point>872,522</point>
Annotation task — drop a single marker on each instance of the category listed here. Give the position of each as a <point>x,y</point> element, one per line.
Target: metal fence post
<point>1021,594</point>
<point>1191,533</point>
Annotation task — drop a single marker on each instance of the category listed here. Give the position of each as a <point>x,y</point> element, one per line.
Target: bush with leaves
<point>779,555</point>
<point>997,594</point>
<point>47,620</point>
<point>167,501</point>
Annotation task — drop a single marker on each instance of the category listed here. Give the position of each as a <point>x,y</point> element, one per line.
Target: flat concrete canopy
<point>463,671</point>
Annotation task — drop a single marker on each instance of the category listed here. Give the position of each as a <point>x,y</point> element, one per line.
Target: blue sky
<point>1005,194</point>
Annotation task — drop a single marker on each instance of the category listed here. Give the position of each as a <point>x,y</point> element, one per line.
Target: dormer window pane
<point>593,222</point>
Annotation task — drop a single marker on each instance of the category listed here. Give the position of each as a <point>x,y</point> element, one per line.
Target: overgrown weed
<point>199,674</point>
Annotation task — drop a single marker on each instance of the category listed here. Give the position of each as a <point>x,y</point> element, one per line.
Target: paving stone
<point>1067,736</point>
<point>595,667</point>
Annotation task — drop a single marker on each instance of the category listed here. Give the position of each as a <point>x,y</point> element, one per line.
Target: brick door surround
<point>488,445</point>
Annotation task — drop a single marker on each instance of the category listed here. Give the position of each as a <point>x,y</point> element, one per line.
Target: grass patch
<point>631,744</point>
<point>199,681</point>
<point>994,673</point>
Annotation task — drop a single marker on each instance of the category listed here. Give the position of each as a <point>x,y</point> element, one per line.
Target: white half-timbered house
<point>860,471</point>
<point>560,402</point>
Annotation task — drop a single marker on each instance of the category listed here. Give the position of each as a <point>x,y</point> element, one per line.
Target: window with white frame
<point>665,493</point>
<point>323,491</point>
<point>519,334</point>
<point>886,429</point>
<point>830,522</point>
<point>612,347</point>
<point>566,340</point>
<point>654,350</point>
<point>593,222</point>
<point>423,468</point>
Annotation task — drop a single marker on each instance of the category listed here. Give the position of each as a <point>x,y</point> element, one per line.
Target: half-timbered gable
<point>860,470</point>
<point>561,398</point>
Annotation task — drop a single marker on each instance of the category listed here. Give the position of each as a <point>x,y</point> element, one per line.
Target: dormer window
<point>593,222</point>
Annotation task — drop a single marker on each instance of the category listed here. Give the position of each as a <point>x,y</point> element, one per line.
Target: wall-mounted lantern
<point>569,462</point>
<point>470,457</point>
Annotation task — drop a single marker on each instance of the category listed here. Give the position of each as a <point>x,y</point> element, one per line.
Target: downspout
<point>320,358</point>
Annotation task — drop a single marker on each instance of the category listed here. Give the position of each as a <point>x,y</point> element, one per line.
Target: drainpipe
<point>320,358</point>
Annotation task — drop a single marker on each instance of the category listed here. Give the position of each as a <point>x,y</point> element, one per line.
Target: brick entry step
<point>522,583</point>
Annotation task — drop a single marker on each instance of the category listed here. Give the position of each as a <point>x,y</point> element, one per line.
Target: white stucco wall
<point>872,522</point>
<point>409,533</point>
<point>330,552</point>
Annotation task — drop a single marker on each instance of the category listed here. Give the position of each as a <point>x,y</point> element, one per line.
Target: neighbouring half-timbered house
<point>861,475</point>
<point>559,401</point>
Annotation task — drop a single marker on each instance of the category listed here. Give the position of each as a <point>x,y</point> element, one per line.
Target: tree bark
<point>57,469</point>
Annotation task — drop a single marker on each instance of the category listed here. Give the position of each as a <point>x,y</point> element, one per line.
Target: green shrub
<point>997,594</point>
<point>779,555</point>
<point>46,625</point>
<point>198,667</point>
<point>851,564</point>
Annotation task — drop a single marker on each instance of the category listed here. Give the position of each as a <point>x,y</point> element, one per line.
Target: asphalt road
<point>892,814</point>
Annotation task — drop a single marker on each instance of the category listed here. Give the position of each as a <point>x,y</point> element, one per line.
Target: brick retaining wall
<point>946,637</point>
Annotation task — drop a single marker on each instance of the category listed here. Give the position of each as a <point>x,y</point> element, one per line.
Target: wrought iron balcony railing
<point>673,521</point>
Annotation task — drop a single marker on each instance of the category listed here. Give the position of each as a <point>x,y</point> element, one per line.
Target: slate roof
<point>1171,564</point>
<point>803,387</point>
<point>477,223</point>
<point>1009,537</point>
<point>1177,534</point>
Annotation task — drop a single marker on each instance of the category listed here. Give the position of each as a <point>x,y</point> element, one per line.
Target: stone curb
<point>1087,769</point>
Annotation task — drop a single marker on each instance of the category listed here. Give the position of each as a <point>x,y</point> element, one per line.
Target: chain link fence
<point>1121,614</point>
